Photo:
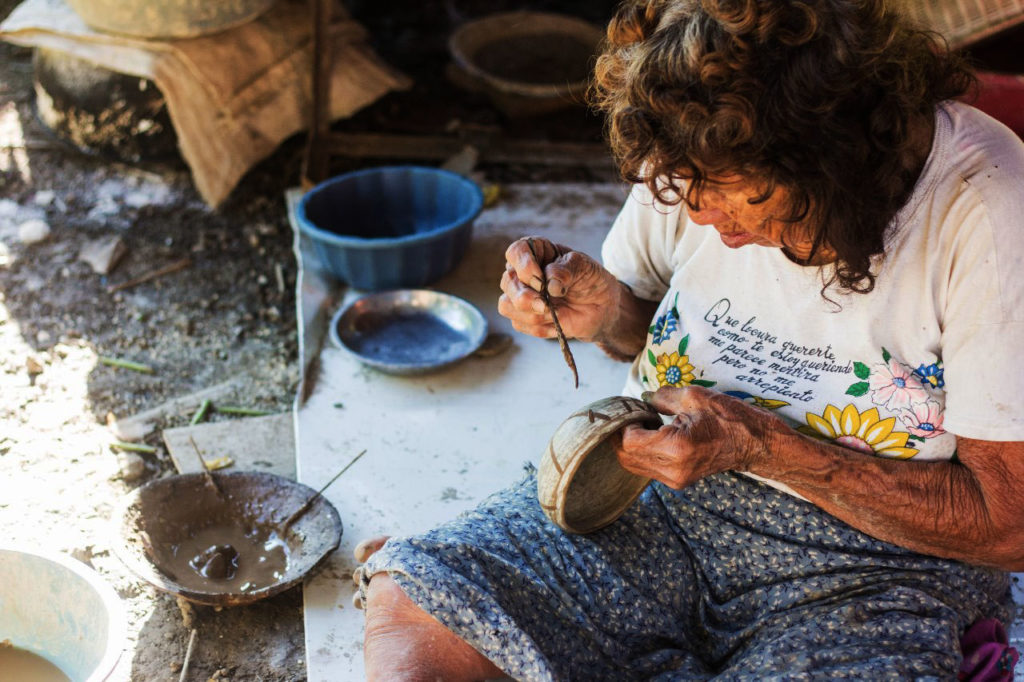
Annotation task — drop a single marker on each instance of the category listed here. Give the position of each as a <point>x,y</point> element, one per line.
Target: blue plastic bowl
<point>391,227</point>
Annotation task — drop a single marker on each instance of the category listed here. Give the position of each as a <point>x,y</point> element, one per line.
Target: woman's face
<point>725,204</point>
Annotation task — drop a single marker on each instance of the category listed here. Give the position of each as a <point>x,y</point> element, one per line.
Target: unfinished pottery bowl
<point>580,484</point>
<point>526,62</point>
<point>228,547</point>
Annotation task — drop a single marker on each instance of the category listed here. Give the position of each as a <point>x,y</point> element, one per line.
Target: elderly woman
<point>816,278</point>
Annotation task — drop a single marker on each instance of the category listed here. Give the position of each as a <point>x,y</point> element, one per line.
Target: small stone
<point>137,199</point>
<point>133,467</point>
<point>462,162</point>
<point>83,554</point>
<point>44,197</point>
<point>34,365</point>
<point>9,208</point>
<point>103,254</point>
<point>33,231</point>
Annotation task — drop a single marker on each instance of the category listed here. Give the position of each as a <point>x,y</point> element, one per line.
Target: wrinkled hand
<point>581,290</point>
<point>712,432</point>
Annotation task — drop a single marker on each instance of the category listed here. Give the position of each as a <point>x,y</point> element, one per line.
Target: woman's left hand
<point>711,432</point>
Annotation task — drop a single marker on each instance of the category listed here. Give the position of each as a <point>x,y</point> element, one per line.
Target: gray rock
<point>33,231</point>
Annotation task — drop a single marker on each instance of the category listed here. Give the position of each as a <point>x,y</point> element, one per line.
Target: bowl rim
<point>406,368</point>
<point>374,243</point>
<point>117,624</point>
<point>466,61</point>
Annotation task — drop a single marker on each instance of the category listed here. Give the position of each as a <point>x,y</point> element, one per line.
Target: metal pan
<point>409,331</point>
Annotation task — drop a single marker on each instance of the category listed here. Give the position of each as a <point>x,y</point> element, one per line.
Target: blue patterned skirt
<point>726,579</point>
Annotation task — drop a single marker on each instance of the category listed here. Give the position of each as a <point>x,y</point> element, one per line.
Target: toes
<point>366,548</point>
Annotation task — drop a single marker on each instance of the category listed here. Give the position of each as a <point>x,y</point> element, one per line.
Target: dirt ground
<point>229,313</point>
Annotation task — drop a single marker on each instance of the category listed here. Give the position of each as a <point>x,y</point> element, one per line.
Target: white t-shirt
<point>929,353</point>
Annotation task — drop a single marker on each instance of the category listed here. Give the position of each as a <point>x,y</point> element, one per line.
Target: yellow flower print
<point>674,369</point>
<point>862,431</point>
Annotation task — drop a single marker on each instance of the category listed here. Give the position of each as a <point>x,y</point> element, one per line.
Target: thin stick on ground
<point>201,412</point>
<point>546,297</point>
<point>133,447</point>
<point>241,411</point>
<point>188,656</point>
<point>125,364</point>
<point>159,272</point>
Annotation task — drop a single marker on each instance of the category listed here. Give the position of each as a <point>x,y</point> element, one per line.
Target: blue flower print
<point>664,326</point>
<point>931,375</point>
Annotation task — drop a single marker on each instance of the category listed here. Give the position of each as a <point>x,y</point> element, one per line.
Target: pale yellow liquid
<point>19,665</point>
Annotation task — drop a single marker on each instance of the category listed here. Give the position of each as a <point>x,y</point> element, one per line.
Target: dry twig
<point>160,272</point>
<point>206,470</point>
<point>188,656</point>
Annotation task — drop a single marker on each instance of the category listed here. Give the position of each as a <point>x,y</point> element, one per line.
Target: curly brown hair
<point>817,96</point>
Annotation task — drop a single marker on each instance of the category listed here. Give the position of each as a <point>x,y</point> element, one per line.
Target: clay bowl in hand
<point>224,548</point>
<point>580,484</point>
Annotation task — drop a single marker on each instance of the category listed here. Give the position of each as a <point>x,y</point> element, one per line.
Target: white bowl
<point>58,608</point>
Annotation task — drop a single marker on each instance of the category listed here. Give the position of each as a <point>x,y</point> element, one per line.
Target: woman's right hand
<point>582,292</point>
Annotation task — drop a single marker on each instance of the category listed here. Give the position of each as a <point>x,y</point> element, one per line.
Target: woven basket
<point>580,484</point>
<point>963,22</point>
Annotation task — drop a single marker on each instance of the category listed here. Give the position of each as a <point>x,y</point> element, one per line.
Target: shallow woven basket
<point>580,484</point>
<point>963,22</point>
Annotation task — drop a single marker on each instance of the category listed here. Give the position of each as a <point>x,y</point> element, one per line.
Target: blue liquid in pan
<point>407,338</point>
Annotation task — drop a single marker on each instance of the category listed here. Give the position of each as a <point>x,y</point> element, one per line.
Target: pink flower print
<point>895,386</point>
<point>924,420</point>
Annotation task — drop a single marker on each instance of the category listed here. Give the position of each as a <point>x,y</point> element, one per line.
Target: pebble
<point>133,467</point>
<point>9,208</point>
<point>44,197</point>
<point>33,231</point>
<point>83,554</point>
<point>34,365</point>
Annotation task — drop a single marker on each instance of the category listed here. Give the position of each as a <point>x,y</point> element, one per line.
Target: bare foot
<point>363,551</point>
<point>403,643</point>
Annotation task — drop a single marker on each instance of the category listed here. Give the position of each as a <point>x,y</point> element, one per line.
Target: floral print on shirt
<point>898,389</point>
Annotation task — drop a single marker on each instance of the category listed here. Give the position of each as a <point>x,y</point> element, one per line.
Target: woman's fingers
<point>675,399</point>
<point>524,307</point>
<point>579,289</point>
<point>527,264</point>
<point>534,324</point>
<point>577,273</point>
